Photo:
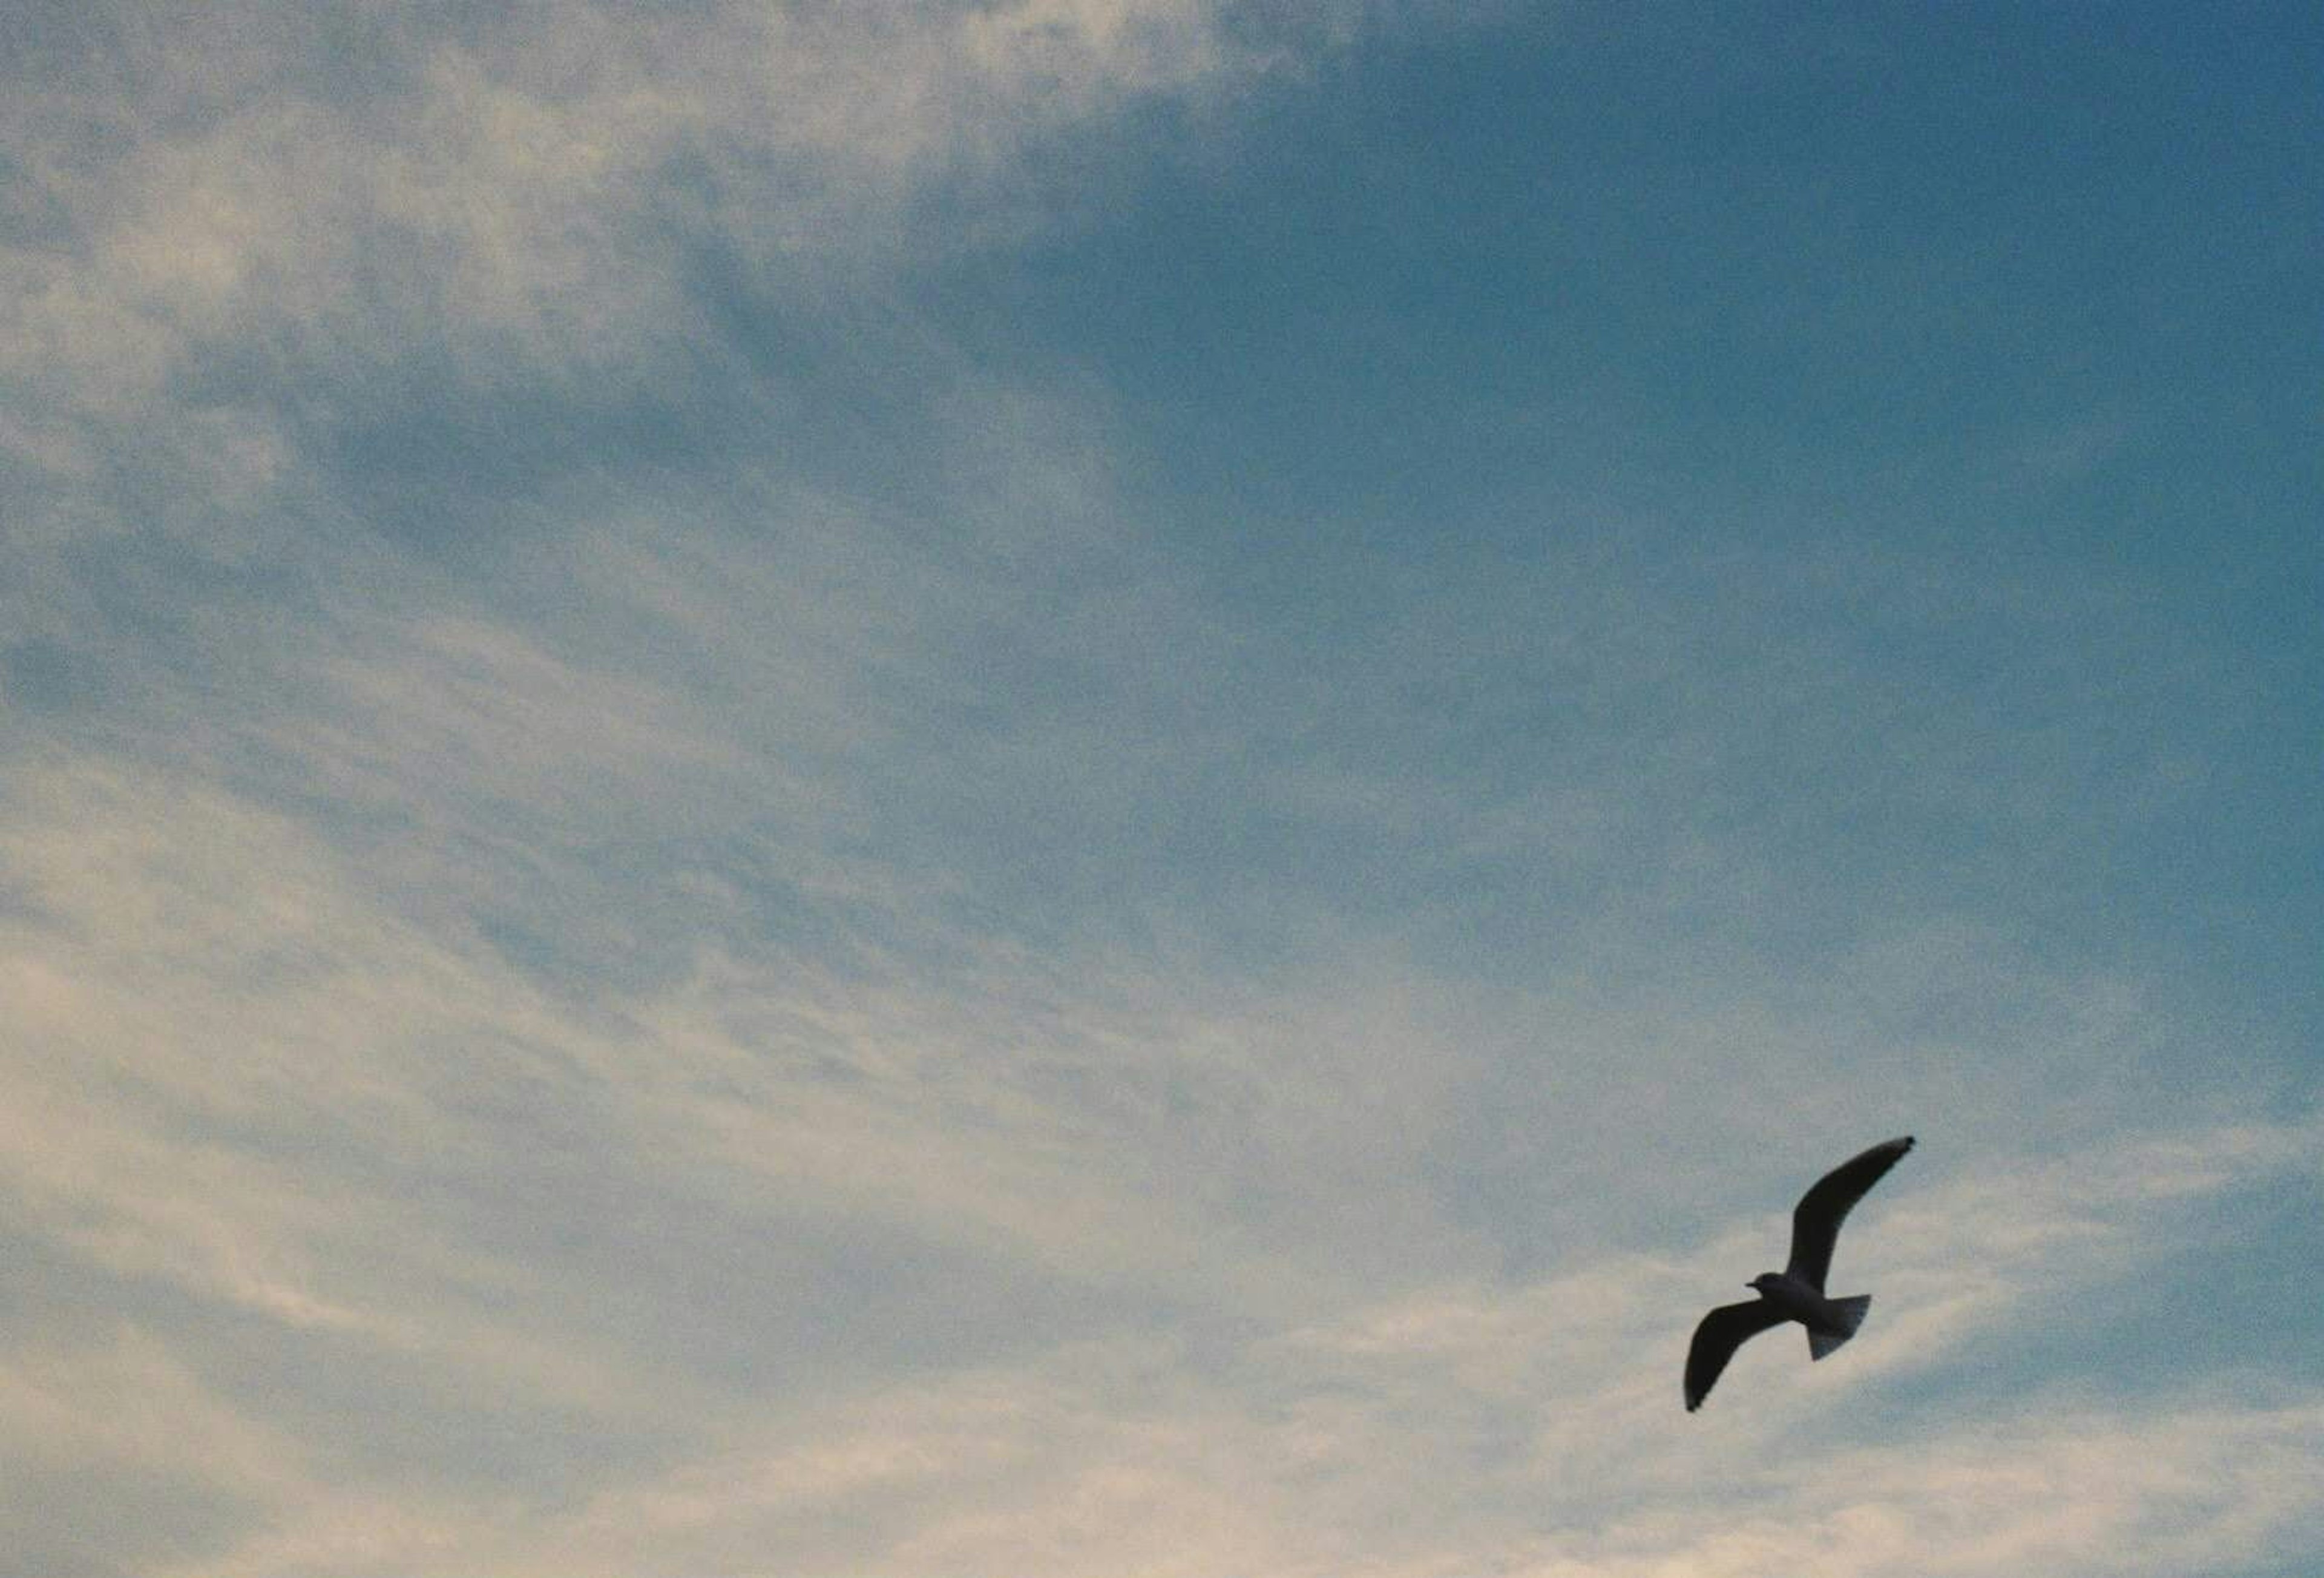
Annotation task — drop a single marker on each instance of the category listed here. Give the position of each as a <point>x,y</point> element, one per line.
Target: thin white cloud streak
<point>227,1057</point>
<point>2062,1491</point>
<point>184,959</point>
<point>1432,1435</point>
<point>1532,1431</point>
<point>273,1070</point>
<point>196,968</point>
<point>493,759</point>
<point>256,1018</point>
<point>188,967</point>
<point>317,198</point>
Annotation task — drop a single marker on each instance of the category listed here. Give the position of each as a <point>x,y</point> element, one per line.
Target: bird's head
<point>1761,1281</point>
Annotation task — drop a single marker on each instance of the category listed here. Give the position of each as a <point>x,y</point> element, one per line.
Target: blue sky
<point>1084,787</point>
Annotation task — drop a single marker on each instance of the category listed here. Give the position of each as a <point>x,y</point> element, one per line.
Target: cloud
<point>2081,1491</point>
<point>1528,1430</point>
<point>1535,1429</point>
<point>244,238</point>
<point>903,1269</point>
<point>654,922</point>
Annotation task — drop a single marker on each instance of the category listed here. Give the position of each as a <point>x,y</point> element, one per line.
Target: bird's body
<point>1798,1301</point>
<point>1796,1292</point>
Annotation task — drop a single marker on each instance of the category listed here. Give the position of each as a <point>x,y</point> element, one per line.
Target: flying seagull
<point>1796,1292</point>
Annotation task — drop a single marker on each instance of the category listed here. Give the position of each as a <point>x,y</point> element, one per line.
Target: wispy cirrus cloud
<point>1535,1418</point>
<point>248,1088</point>
<point>663,909</point>
<point>517,193</point>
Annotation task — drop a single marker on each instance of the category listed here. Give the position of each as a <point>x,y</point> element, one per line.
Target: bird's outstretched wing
<point>1723,1331</point>
<point>1815,1222</point>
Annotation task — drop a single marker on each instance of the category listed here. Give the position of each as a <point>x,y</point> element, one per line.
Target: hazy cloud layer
<point>675,898</point>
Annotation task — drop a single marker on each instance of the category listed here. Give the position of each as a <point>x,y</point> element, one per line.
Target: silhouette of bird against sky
<point>1796,1292</point>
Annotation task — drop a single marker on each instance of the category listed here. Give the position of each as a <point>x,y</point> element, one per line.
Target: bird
<point>1796,1292</point>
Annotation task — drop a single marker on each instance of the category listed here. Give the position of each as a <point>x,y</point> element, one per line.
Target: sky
<point>1105,789</point>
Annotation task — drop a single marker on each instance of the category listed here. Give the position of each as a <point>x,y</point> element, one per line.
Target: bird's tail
<point>1849,1315</point>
